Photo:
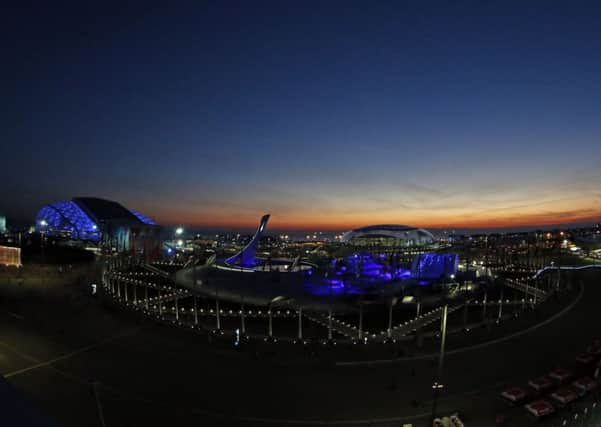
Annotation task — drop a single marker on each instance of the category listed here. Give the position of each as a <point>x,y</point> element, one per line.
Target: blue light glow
<point>356,274</point>
<point>434,266</point>
<point>365,273</point>
<point>143,218</point>
<point>67,217</point>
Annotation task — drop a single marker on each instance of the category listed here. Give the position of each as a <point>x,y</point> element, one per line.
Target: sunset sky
<point>328,115</point>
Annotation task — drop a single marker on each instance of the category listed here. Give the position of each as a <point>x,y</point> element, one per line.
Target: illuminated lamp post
<point>330,315</point>
<point>179,231</point>
<point>176,306</point>
<point>194,293</point>
<point>195,310</point>
<point>43,225</point>
<point>217,314</point>
<point>330,324</point>
<point>160,301</point>
<point>146,296</point>
<point>484,304</point>
<point>242,320</point>
<point>393,301</point>
<point>501,302</point>
<point>269,314</point>
<point>438,386</point>
<point>465,313</point>
<point>300,323</point>
<point>360,334</point>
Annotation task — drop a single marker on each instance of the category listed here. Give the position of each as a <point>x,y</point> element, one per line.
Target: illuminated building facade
<point>101,222</point>
<point>10,256</point>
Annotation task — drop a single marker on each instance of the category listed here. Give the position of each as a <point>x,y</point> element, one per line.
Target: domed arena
<point>388,235</point>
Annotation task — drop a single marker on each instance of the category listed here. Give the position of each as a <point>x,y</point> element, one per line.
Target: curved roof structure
<point>385,227</point>
<point>392,234</point>
<point>82,217</point>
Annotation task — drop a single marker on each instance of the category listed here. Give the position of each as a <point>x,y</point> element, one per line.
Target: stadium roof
<point>82,217</point>
<point>386,227</point>
<point>405,233</point>
<point>102,210</point>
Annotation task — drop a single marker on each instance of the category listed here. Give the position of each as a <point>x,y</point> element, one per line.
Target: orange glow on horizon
<point>279,223</point>
<point>505,209</point>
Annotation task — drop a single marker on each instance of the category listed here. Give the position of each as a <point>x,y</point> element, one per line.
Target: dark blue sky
<point>327,115</point>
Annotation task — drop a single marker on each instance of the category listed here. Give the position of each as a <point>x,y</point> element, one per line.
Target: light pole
<point>98,404</point>
<point>176,306</point>
<point>195,311</point>
<point>360,320</point>
<point>242,322</point>
<point>438,386</point>
<point>484,303</point>
<point>269,314</point>
<point>43,225</point>
<point>160,301</point>
<point>217,318</point>
<point>330,324</point>
<point>146,296</point>
<point>177,241</point>
<point>501,303</point>
<point>389,330</point>
<point>300,323</point>
<point>194,292</point>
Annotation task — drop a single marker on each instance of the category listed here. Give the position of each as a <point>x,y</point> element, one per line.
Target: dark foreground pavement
<point>76,357</point>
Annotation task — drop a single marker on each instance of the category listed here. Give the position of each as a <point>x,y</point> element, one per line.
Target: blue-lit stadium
<point>104,223</point>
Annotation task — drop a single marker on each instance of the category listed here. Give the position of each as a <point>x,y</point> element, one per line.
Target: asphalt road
<point>149,374</point>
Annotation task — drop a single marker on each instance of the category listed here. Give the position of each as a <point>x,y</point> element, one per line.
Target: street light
<point>270,305</point>
<point>438,386</point>
<point>179,231</point>
<point>393,301</point>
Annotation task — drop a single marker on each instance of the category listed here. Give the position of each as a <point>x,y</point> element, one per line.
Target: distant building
<point>388,235</point>
<point>2,224</point>
<point>10,256</point>
<point>101,222</point>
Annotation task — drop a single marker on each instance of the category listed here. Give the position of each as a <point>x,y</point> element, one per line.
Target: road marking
<point>40,364</point>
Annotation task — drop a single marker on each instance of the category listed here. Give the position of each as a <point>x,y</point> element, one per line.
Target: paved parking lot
<point>149,374</point>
